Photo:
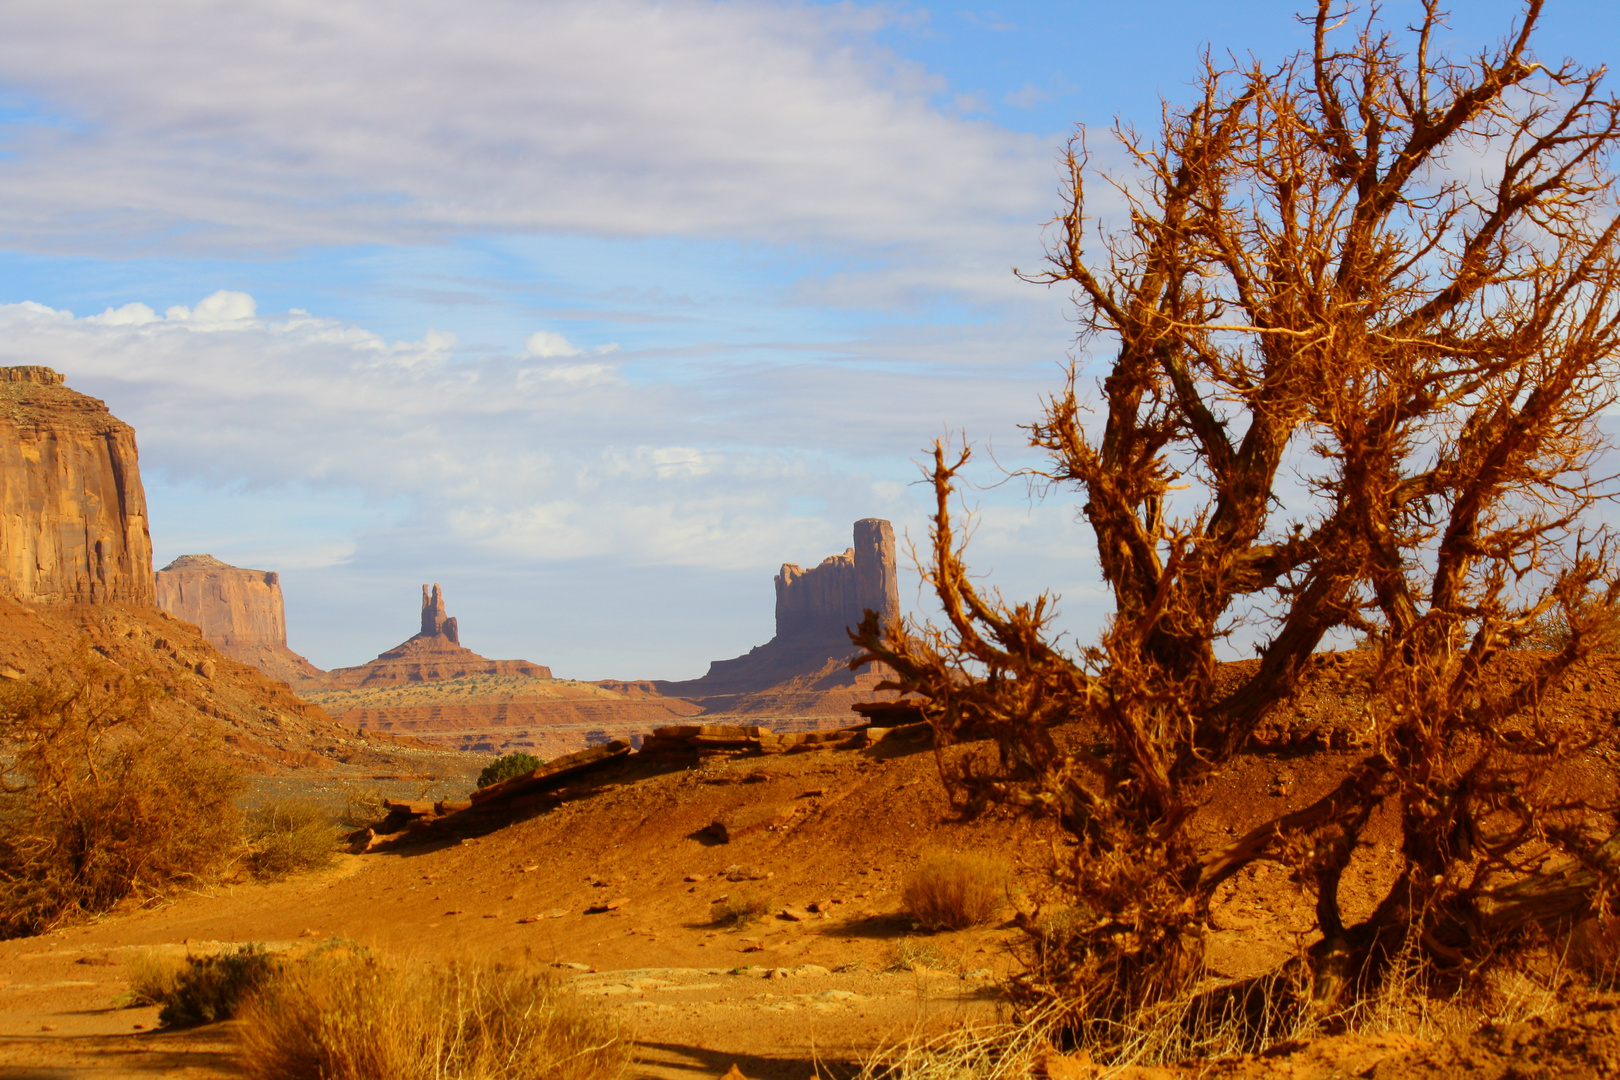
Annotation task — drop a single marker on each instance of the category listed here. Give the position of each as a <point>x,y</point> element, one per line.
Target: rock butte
<point>72,510</point>
<point>240,611</point>
<point>433,655</point>
<point>76,566</point>
<point>804,668</point>
<point>798,681</point>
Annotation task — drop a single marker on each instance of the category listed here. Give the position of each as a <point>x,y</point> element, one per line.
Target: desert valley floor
<point>612,891</point>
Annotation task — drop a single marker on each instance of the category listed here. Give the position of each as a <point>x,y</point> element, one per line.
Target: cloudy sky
<point>594,312</point>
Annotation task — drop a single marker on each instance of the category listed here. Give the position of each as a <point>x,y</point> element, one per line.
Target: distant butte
<point>804,668</point>
<point>240,611</point>
<point>433,655</point>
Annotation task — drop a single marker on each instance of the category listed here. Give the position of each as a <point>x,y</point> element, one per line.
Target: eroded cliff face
<point>239,610</point>
<point>824,601</point>
<point>72,510</point>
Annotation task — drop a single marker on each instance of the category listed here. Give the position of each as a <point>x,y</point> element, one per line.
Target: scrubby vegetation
<point>955,890</point>
<point>363,807</point>
<point>290,837</point>
<point>99,800</point>
<point>1355,389</point>
<point>740,907</point>
<point>508,766</point>
<point>356,1017</point>
<point>199,989</point>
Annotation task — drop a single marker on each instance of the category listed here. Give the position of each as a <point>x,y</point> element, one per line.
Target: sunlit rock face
<point>73,524</point>
<point>240,611</point>
<point>815,610</point>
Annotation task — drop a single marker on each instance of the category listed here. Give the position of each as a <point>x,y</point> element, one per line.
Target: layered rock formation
<point>239,610</point>
<point>804,664</point>
<point>433,655</point>
<point>72,510</point>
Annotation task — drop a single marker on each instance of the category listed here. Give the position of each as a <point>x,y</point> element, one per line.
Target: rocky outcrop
<point>239,610</point>
<point>815,609</point>
<point>72,511</point>
<point>823,602</point>
<point>433,655</point>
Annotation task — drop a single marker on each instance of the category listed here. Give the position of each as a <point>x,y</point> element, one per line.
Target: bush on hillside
<point>508,766</point>
<point>98,800</point>
<point>289,837</point>
<point>955,890</point>
<point>356,1017</point>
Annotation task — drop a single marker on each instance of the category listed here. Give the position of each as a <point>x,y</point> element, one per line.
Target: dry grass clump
<point>956,890</point>
<point>289,837</point>
<point>987,1052</point>
<point>363,807</point>
<point>741,907</point>
<point>98,801</point>
<point>909,954</point>
<point>357,1018</point>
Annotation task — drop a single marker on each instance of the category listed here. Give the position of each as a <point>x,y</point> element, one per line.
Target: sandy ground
<point>783,998</point>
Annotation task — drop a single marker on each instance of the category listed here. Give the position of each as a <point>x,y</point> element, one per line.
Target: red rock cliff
<point>240,611</point>
<point>72,510</point>
<point>825,600</point>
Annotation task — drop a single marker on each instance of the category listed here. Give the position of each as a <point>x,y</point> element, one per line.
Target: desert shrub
<point>152,977</point>
<point>741,907</point>
<point>289,837</point>
<point>208,989</point>
<point>355,1017</point>
<point>99,800</point>
<point>953,891</point>
<point>508,766</point>
<point>363,807</point>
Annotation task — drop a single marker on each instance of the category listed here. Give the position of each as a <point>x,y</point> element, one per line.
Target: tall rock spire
<point>434,621</point>
<point>877,586</point>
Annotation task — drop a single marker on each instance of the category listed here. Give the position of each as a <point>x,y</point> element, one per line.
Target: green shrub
<point>504,768</point>
<point>355,1017</point>
<point>953,891</point>
<point>289,837</point>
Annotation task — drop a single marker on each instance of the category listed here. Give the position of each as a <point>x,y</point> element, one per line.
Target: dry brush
<point>1363,319</point>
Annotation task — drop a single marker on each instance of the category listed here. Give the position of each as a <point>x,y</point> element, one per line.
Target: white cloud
<point>547,458</point>
<point>128,315</point>
<point>545,344</point>
<point>223,306</point>
<point>204,127</point>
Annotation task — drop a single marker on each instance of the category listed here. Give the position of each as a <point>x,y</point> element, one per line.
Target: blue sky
<point>595,313</point>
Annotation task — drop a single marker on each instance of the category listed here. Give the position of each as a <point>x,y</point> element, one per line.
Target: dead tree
<point>1363,321</point>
